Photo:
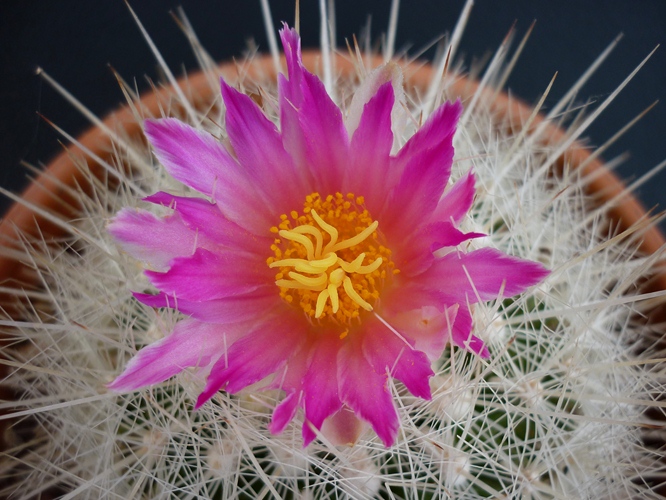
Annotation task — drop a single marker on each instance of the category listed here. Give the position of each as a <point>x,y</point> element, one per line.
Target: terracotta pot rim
<point>63,170</point>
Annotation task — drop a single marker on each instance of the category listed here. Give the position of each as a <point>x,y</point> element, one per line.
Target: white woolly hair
<point>565,407</point>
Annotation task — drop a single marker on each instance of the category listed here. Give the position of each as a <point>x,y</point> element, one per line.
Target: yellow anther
<point>352,266</point>
<point>356,239</point>
<point>326,227</point>
<point>300,238</point>
<point>296,285</point>
<point>337,276</point>
<point>326,262</point>
<point>370,267</point>
<point>333,295</point>
<point>349,288</point>
<point>321,303</point>
<point>319,239</point>
<point>301,265</point>
<point>319,281</point>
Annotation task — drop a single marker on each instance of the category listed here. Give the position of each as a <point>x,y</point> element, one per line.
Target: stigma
<point>330,258</point>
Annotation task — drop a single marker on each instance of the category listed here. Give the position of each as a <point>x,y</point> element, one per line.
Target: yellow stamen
<point>333,294</point>
<point>326,262</point>
<point>296,285</point>
<point>337,276</point>
<point>319,240</point>
<point>349,288</point>
<point>356,239</point>
<point>320,280</point>
<point>351,267</point>
<point>300,238</point>
<point>370,267</point>
<point>326,227</point>
<point>321,303</point>
<point>323,254</point>
<point>301,265</point>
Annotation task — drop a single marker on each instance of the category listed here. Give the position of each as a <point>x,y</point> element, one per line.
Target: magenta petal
<point>205,217</point>
<point>191,343</point>
<point>490,272</point>
<point>461,334</point>
<point>254,357</point>
<point>418,191</point>
<point>290,97</point>
<point>417,257</point>
<point>327,144</point>
<point>285,412</point>
<point>321,385</point>
<point>198,160</point>
<point>343,428</point>
<point>388,353</point>
<point>367,393</point>
<point>290,381</point>
<point>209,276</point>
<point>425,162</point>
<point>438,128</point>
<point>258,147</point>
<point>370,149</point>
<point>152,239</point>
<point>313,131</point>
<point>436,133</point>
<point>427,328</point>
<point>221,311</point>
<point>456,202</point>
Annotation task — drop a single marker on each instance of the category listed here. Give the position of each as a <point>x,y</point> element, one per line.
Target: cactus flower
<point>314,256</point>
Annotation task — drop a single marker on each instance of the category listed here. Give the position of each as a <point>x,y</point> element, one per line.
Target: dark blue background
<point>74,40</point>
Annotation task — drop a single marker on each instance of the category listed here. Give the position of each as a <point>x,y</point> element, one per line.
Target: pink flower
<point>310,258</point>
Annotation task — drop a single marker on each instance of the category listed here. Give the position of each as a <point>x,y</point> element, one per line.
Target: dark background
<point>73,40</point>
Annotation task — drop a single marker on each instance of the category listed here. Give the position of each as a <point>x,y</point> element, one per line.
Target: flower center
<point>331,259</point>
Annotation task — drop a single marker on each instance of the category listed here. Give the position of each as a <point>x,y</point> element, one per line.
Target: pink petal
<point>461,334</point>
<point>258,147</point>
<point>255,356</point>
<point>436,132</point>
<point>221,311</point>
<point>368,88</point>
<point>425,162</point>
<point>417,257</point>
<point>312,128</point>
<point>290,381</point>
<point>206,219</point>
<point>290,98</point>
<point>191,343</point>
<point>152,239</point>
<point>427,328</point>
<point>418,192</point>
<point>490,271</point>
<point>209,276</point>
<point>285,412</point>
<point>198,160</point>
<point>366,392</point>
<point>343,428</point>
<point>438,128</point>
<point>321,385</point>
<point>370,149</point>
<point>389,353</point>
<point>457,201</point>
